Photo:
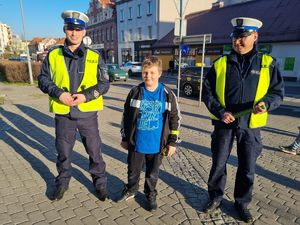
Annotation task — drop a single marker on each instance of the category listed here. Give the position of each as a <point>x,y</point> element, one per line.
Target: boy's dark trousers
<point>136,162</point>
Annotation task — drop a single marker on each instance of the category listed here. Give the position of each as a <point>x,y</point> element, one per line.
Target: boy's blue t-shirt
<point>150,121</point>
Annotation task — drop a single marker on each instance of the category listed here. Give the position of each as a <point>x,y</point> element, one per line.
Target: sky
<point>42,17</point>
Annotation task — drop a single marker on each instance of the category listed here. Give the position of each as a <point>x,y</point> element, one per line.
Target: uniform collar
<point>79,52</point>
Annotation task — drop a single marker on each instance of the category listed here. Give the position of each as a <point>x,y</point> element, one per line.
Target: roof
<point>280,21</point>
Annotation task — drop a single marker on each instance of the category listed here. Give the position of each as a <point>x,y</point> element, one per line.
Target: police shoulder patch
<point>96,94</point>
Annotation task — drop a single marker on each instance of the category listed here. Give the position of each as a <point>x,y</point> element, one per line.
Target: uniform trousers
<point>65,131</point>
<point>136,162</point>
<point>249,147</point>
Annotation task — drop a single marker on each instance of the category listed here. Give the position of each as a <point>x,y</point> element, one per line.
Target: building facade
<point>102,29</point>
<point>279,35</point>
<point>5,37</point>
<point>141,23</point>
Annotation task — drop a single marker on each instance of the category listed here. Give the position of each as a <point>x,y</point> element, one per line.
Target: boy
<point>150,123</point>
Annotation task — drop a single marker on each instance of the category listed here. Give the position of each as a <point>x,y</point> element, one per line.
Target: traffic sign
<point>193,39</point>
<point>181,3</point>
<point>177,27</point>
<point>87,41</point>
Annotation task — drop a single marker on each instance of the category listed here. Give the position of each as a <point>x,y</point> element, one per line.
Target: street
<point>28,168</point>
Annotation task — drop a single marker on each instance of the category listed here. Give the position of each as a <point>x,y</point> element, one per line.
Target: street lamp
<point>28,56</point>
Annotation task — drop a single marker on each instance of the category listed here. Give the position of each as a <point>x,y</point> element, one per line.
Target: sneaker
<point>152,205</point>
<point>59,193</point>
<point>290,149</point>
<point>126,195</point>
<point>102,195</point>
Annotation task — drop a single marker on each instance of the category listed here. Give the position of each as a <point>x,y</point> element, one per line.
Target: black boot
<point>59,193</point>
<point>244,213</point>
<point>212,206</point>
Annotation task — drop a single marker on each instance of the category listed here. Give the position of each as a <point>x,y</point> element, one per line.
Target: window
<point>150,32</point>
<point>139,11</point>
<point>130,13</point>
<point>130,35</point>
<point>121,15</point>
<point>149,8</point>
<point>140,33</point>
<point>123,36</point>
<point>111,34</point>
<point>107,34</point>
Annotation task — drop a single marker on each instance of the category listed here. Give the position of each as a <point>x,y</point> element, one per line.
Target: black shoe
<point>212,206</point>
<point>102,195</point>
<point>59,193</point>
<point>244,213</point>
<point>126,195</point>
<point>152,205</point>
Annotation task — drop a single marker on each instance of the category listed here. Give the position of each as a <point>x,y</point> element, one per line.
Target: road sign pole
<point>179,60</point>
<point>27,49</point>
<point>201,78</point>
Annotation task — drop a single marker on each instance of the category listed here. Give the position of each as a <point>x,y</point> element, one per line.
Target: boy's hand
<point>228,117</point>
<point>170,150</point>
<point>260,108</point>
<point>124,144</point>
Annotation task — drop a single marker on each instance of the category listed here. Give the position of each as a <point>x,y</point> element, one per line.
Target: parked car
<point>190,79</point>
<point>132,67</point>
<point>116,73</point>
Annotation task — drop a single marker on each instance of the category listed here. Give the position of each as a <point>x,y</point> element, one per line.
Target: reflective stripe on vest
<point>60,76</point>
<point>256,120</point>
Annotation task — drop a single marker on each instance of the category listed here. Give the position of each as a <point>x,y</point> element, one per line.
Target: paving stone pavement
<point>28,157</point>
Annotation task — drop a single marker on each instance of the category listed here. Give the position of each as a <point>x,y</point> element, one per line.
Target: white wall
<point>282,50</point>
<point>168,13</point>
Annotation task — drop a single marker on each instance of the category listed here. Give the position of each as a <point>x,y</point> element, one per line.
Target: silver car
<point>132,67</point>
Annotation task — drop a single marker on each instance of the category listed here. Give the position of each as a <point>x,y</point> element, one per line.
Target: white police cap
<point>74,18</point>
<point>244,26</point>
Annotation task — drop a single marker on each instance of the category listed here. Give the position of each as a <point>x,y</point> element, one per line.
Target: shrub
<point>18,71</point>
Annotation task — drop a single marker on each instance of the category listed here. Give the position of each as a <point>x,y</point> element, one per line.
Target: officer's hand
<point>78,99</point>
<point>228,117</point>
<point>66,98</point>
<point>170,150</point>
<point>260,108</point>
<point>124,144</point>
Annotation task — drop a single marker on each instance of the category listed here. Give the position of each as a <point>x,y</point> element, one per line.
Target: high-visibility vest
<point>60,76</point>
<point>256,120</point>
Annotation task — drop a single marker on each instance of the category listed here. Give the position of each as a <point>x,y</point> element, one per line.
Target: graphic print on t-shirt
<point>149,119</point>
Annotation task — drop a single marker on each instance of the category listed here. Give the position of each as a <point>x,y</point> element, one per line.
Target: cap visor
<point>240,33</point>
<point>74,27</point>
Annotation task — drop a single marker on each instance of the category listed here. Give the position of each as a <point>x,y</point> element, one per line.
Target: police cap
<point>74,19</point>
<point>244,26</point>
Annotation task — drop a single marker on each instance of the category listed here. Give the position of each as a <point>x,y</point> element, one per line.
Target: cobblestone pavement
<point>28,157</point>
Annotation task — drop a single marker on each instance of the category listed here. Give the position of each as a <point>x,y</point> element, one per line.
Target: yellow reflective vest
<point>256,120</point>
<point>60,76</point>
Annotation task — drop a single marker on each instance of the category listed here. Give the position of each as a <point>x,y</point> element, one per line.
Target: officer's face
<point>243,45</point>
<point>151,75</point>
<point>74,36</point>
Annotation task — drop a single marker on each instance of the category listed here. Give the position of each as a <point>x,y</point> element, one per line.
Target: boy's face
<point>151,75</point>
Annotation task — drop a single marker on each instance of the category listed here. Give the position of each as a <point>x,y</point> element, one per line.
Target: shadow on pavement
<point>44,143</point>
<point>232,160</point>
<point>191,193</point>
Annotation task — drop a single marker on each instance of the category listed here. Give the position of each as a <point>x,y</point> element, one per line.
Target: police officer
<point>75,79</point>
<point>239,91</point>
